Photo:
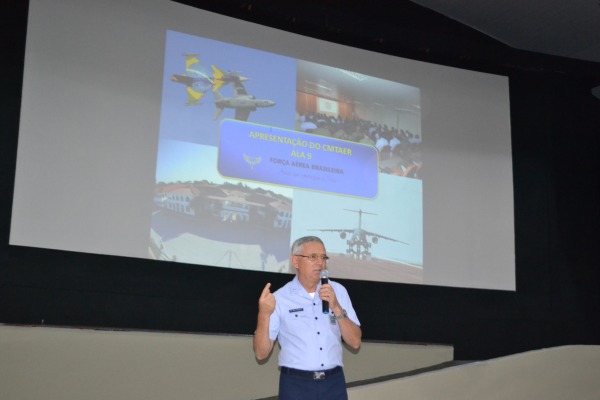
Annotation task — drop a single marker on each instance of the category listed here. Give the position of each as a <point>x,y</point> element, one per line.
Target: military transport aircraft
<point>358,242</point>
<point>243,103</point>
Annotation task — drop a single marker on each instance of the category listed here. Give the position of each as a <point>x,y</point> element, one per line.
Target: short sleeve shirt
<point>309,339</point>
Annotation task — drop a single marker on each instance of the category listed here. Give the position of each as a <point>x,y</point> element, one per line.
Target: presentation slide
<point>155,130</point>
<point>248,161</point>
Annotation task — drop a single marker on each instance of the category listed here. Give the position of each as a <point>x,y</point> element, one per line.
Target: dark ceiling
<point>555,27</point>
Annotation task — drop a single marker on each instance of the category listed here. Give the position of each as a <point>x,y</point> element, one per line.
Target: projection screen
<point>155,130</point>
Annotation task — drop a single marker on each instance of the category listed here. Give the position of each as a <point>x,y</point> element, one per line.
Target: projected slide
<point>256,149</point>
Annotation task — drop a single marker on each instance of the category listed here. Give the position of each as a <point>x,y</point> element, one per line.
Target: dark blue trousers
<point>294,387</point>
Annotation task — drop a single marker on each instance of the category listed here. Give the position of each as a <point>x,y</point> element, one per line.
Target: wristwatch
<point>341,316</point>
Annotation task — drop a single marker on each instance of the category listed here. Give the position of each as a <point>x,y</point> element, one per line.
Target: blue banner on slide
<point>301,160</point>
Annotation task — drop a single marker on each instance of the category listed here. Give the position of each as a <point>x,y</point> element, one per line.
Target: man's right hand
<point>267,301</point>
<point>261,342</point>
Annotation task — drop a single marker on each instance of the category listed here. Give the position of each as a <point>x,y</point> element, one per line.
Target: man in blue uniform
<point>311,341</point>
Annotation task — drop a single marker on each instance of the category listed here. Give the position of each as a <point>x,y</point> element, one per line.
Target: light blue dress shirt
<point>309,339</point>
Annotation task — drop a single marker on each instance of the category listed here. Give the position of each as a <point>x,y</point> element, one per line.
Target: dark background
<point>555,139</point>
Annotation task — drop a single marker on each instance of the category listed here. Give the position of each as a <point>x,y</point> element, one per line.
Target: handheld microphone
<point>324,279</point>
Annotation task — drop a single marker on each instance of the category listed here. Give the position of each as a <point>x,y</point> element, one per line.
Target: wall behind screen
<point>556,209</point>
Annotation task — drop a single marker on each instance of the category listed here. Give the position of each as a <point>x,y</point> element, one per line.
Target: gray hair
<point>299,243</point>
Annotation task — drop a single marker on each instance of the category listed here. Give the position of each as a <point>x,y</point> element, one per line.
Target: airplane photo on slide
<point>203,77</point>
<point>242,102</point>
<point>379,239</point>
<point>198,80</point>
<point>360,240</point>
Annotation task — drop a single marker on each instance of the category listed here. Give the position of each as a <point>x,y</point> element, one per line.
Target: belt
<point>317,375</point>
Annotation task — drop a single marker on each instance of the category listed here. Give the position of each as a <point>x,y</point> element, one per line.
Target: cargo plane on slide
<point>243,103</point>
<point>358,242</point>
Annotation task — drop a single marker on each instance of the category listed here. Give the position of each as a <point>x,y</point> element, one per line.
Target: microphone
<point>324,279</point>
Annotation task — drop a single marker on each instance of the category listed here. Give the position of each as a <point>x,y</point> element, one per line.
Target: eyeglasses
<point>315,257</point>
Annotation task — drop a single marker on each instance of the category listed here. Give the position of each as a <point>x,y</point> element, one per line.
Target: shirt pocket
<point>298,320</point>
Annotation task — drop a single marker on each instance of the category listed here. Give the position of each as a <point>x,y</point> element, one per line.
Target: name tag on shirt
<point>296,310</point>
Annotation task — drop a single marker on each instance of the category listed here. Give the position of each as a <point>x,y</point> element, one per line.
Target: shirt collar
<point>298,289</point>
